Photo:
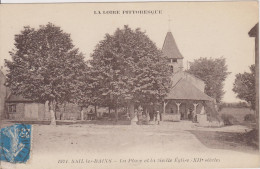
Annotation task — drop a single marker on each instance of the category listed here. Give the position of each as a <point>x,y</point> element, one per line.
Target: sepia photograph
<point>129,85</point>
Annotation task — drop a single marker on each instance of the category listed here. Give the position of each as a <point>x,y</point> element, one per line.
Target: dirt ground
<point>71,146</point>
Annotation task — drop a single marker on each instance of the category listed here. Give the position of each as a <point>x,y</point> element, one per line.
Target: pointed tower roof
<point>170,48</point>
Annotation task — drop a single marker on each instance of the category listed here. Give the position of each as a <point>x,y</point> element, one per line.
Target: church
<point>186,97</point>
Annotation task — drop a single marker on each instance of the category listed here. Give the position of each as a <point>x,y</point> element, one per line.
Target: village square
<point>130,100</point>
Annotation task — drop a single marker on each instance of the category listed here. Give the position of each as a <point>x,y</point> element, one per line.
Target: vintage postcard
<point>129,85</point>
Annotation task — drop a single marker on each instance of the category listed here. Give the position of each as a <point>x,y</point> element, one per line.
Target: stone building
<point>186,97</point>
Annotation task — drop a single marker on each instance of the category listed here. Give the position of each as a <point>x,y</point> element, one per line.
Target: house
<point>186,97</point>
<point>254,32</point>
<point>19,108</point>
<point>14,107</point>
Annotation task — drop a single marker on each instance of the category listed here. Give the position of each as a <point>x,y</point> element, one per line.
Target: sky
<point>200,29</point>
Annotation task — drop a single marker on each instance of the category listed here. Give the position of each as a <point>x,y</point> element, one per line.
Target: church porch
<point>185,109</point>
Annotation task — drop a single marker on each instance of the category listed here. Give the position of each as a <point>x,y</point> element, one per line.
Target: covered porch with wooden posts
<point>185,101</point>
<point>182,109</point>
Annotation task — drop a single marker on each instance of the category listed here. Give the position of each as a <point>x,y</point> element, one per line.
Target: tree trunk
<point>96,111</point>
<point>116,113</point>
<point>131,109</point>
<point>52,112</point>
<point>64,110</point>
<point>144,108</point>
<point>81,113</point>
<point>109,110</point>
<point>6,116</point>
<point>47,110</point>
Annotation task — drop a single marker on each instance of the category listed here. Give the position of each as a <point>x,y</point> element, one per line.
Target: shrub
<point>249,118</point>
<point>252,138</point>
<point>228,119</point>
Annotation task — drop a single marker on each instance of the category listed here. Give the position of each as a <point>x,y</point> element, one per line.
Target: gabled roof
<point>170,48</point>
<point>254,31</point>
<point>180,74</point>
<point>183,90</point>
<point>17,98</point>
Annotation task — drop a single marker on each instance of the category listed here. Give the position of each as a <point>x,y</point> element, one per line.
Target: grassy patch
<point>244,142</point>
<point>239,115</point>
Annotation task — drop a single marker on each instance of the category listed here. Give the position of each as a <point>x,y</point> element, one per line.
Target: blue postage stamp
<point>15,143</point>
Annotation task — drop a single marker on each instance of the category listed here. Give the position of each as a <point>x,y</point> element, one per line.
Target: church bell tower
<point>171,51</point>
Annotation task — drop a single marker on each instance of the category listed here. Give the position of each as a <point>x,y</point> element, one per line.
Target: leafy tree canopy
<point>45,65</point>
<point>244,86</point>
<point>129,66</point>
<point>213,72</point>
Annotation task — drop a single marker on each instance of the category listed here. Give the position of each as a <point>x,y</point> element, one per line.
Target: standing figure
<point>182,115</point>
<point>140,115</point>
<point>160,116</point>
<point>135,116</point>
<point>134,120</point>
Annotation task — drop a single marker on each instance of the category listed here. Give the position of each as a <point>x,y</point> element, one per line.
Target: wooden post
<point>164,106</point>
<point>82,113</point>
<point>47,111</point>
<point>195,110</point>
<point>195,107</point>
<point>178,107</point>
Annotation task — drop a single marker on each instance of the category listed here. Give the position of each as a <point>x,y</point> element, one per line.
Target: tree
<point>88,90</point>
<point>130,69</point>
<point>45,66</point>
<point>244,86</point>
<point>213,72</point>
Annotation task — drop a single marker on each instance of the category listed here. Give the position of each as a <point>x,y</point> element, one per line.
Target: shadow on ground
<point>243,142</point>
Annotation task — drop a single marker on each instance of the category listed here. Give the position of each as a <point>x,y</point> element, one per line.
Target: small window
<point>12,108</point>
<point>173,60</point>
